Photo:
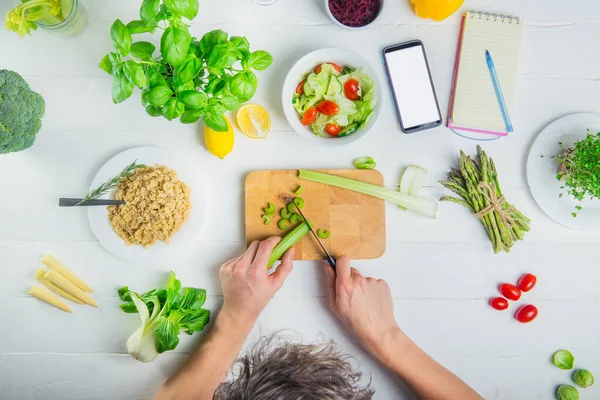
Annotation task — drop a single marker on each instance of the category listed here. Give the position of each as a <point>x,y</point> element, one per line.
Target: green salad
<point>335,101</point>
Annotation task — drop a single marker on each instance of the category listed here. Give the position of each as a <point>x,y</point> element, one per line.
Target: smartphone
<point>412,87</point>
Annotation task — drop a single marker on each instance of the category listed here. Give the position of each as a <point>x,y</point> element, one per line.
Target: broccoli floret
<point>21,111</point>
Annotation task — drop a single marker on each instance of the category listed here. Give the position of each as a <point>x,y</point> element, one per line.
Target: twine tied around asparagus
<point>496,204</point>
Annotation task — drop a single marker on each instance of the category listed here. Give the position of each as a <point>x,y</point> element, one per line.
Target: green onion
<point>299,191</point>
<point>270,209</point>
<point>283,224</point>
<point>288,242</point>
<point>420,205</point>
<point>267,219</point>
<point>323,234</point>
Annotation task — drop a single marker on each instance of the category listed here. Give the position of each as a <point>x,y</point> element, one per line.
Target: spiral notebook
<point>474,108</point>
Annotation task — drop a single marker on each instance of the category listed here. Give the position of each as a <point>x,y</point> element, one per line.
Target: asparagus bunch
<point>504,223</point>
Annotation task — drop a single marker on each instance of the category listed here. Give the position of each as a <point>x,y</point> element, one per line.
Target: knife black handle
<point>331,261</point>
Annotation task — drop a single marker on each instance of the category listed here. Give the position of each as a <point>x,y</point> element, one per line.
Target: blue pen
<point>498,90</point>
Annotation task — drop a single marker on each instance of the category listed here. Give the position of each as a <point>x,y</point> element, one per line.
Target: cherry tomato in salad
<point>351,89</point>
<point>499,303</point>
<point>333,129</point>
<point>527,282</point>
<point>526,313</point>
<point>300,87</point>
<point>309,116</point>
<point>510,291</point>
<point>328,107</point>
<point>334,65</point>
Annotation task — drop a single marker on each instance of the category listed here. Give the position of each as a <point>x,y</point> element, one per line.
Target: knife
<point>65,202</point>
<point>330,259</point>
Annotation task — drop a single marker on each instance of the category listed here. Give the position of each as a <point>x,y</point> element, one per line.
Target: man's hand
<point>247,286</point>
<point>363,304</point>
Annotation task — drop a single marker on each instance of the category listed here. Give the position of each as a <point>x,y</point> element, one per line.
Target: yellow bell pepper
<point>437,10</point>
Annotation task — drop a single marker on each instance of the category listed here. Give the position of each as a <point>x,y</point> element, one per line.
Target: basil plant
<point>187,78</point>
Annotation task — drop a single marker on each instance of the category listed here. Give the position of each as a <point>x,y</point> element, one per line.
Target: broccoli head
<point>21,111</point>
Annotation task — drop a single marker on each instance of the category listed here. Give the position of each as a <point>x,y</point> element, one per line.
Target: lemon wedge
<point>219,143</point>
<point>254,121</point>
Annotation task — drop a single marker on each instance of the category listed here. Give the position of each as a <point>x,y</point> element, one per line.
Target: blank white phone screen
<point>412,87</point>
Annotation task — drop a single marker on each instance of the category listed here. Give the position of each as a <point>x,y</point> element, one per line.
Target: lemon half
<point>254,121</point>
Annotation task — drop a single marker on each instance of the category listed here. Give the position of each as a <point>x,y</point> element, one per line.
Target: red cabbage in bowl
<point>355,13</point>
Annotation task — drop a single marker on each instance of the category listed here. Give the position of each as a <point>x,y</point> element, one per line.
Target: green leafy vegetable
<point>567,392</point>
<point>288,242</point>
<point>583,378</point>
<point>563,359</point>
<point>189,79</point>
<point>580,169</point>
<point>365,163</point>
<point>420,205</point>
<point>22,18</point>
<point>323,234</point>
<point>164,313</point>
<point>111,184</point>
<point>21,111</point>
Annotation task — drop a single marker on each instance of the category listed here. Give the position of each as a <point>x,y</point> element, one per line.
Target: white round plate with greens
<point>160,253</point>
<point>542,171</point>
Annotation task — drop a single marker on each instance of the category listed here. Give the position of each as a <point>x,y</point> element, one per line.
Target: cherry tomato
<point>351,89</point>
<point>526,313</point>
<point>320,67</point>
<point>300,88</point>
<point>527,282</point>
<point>499,303</point>
<point>333,129</point>
<point>309,116</point>
<point>510,291</point>
<point>328,107</point>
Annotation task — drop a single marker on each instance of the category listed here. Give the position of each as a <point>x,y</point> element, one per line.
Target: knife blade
<point>68,202</point>
<point>330,259</point>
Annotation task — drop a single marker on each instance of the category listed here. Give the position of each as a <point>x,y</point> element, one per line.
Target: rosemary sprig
<point>111,184</point>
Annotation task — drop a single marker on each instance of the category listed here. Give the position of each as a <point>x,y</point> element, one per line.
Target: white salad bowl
<point>308,63</point>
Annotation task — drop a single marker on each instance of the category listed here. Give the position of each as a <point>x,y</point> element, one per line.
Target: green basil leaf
<point>215,86</point>
<point>211,39</point>
<point>191,116</point>
<point>259,60</point>
<point>193,99</point>
<point>155,78</point>
<point>159,95</point>
<point>153,111</point>
<point>221,57</point>
<point>149,12</point>
<point>167,332</point>
<point>174,45</point>
<point>187,70</point>
<point>243,85</point>
<point>117,64</point>
<point>121,89</point>
<point>216,122</point>
<point>231,102</point>
<point>173,109</point>
<point>240,43</point>
<point>142,50</point>
<point>189,85</point>
<point>106,65</point>
<point>215,106</point>
<point>144,97</point>
<point>137,27</point>
<point>135,73</point>
<point>182,8</point>
<point>120,36</point>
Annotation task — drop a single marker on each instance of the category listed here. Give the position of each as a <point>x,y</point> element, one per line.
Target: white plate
<point>308,63</point>
<point>541,172</point>
<point>159,253</point>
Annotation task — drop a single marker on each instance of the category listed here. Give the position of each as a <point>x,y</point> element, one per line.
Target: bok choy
<point>164,313</point>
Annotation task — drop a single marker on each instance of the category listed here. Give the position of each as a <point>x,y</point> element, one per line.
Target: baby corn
<point>49,298</point>
<point>59,280</point>
<point>40,276</point>
<point>56,265</point>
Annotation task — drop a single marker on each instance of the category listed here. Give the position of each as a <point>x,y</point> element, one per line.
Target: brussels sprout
<point>563,359</point>
<point>583,378</point>
<point>567,392</point>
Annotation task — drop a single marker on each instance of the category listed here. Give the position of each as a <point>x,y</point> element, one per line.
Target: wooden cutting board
<point>356,221</point>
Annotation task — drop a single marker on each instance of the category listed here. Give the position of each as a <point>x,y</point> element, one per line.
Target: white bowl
<point>308,63</point>
<point>351,28</point>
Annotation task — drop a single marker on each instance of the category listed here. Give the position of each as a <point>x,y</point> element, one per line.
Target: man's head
<point>276,369</point>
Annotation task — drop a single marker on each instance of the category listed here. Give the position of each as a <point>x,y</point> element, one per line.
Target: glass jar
<point>72,25</point>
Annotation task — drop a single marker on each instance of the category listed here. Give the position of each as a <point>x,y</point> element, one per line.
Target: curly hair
<point>277,369</point>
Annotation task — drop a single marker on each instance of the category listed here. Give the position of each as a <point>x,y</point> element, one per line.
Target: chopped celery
<point>323,234</point>
<point>299,201</point>
<point>295,218</point>
<point>267,219</point>
<point>365,163</point>
<point>284,213</point>
<point>420,205</point>
<point>270,209</point>
<point>283,224</point>
<point>299,191</point>
<point>291,208</point>
<point>412,181</point>
<point>288,242</point>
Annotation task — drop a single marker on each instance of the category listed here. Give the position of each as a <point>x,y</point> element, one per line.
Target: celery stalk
<point>288,242</point>
<point>419,205</point>
<point>412,181</point>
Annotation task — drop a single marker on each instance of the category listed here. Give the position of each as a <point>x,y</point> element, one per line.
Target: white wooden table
<point>441,271</point>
